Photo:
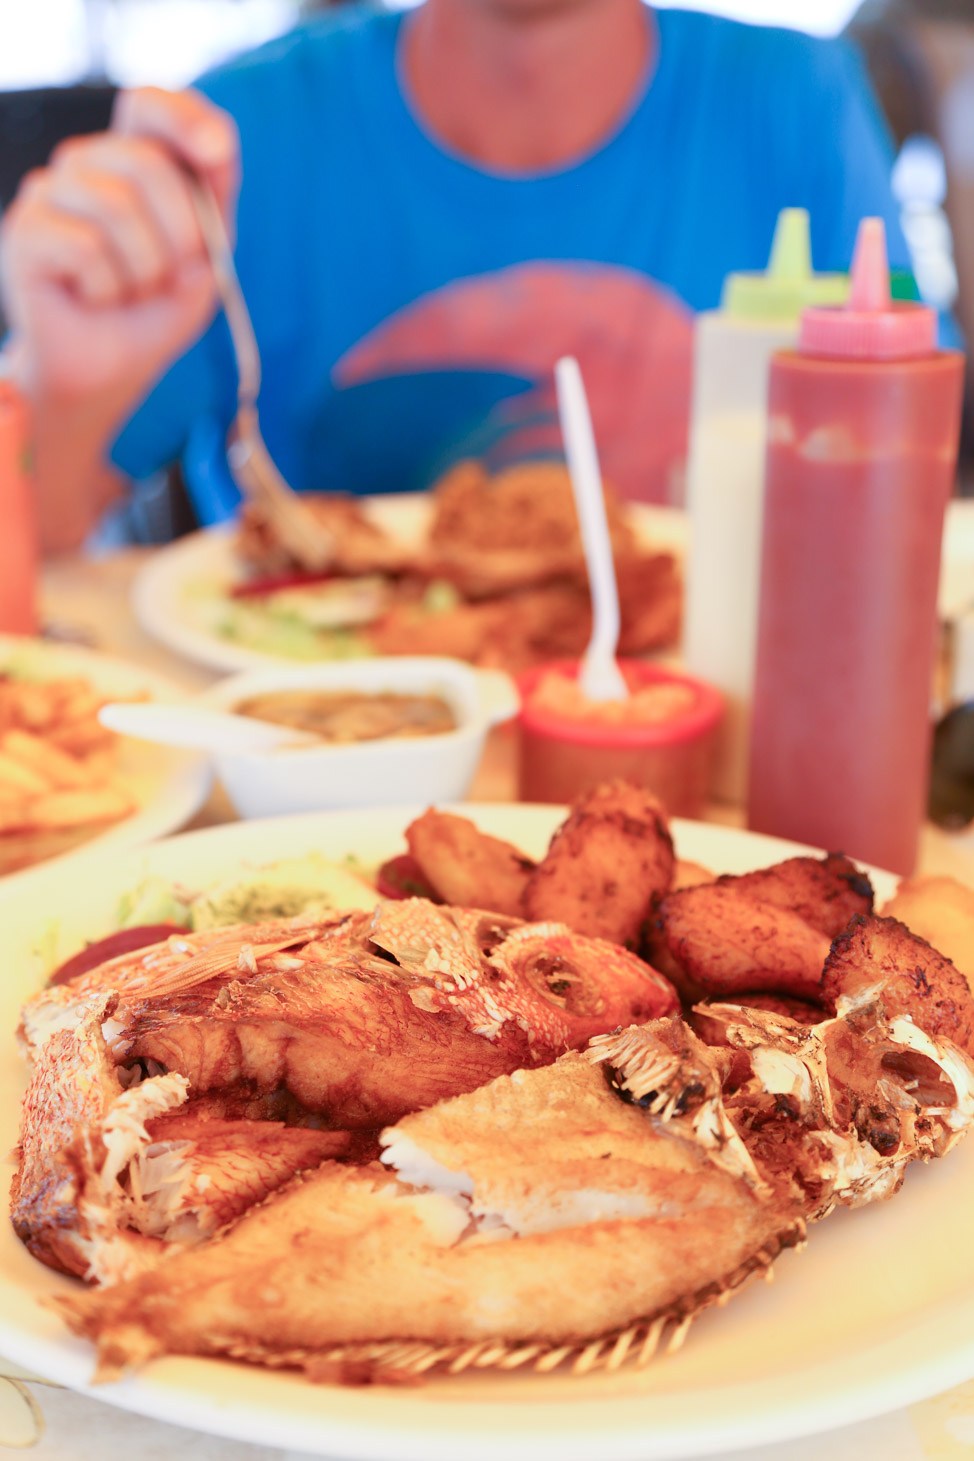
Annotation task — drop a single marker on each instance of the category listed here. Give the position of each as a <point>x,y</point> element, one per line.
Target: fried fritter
<point>941,910</point>
<point>465,866</point>
<point>881,955</point>
<point>824,892</point>
<point>605,866</point>
<point>714,940</point>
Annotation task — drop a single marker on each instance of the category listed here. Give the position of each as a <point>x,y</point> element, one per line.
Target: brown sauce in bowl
<point>345,716</point>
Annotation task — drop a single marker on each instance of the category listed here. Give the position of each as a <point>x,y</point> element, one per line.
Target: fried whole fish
<point>500,1195</point>
<point>626,1164</point>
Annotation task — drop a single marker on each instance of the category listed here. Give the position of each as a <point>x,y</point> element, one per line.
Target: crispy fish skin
<point>606,865</point>
<point>467,867</point>
<point>215,1170</point>
<point>70,1092</point>
<point>631,1177</point>
<point>361,1018</point>
<point>349,1044</point>
<point>78,1127</point>
<point>715,940</point>
<point>881,955</point>
<point>350,1255</point>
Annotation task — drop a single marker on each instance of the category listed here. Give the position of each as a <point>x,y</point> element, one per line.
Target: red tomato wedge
<point>125,941</point>
<point>402,877</point>
<point>257,588</point>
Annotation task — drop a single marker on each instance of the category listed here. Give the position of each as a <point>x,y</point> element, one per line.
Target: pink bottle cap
<point>871,325</point>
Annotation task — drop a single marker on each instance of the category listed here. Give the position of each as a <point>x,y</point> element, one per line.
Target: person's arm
<point>104,282</point>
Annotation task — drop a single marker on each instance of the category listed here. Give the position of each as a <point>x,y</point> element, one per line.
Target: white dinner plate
<point>167,787</point>
<point>180,596</point>
<point>876,1313</point>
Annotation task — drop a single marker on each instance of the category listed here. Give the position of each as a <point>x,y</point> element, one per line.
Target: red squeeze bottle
<point>864,418</point>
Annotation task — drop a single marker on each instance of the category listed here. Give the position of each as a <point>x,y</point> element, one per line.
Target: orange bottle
<point>864,418</point>
<point>18,528</point>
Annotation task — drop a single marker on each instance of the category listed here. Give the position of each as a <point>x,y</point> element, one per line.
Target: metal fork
<point>252,465</point>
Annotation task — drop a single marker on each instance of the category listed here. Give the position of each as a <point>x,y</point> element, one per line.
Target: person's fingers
<point>115,207</point>
<point>41,242</point>
<point>202,136</point>
<point>160,189</point>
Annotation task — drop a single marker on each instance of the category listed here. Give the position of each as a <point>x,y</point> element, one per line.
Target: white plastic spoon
<point>193,727</point>
<point>599,675</point>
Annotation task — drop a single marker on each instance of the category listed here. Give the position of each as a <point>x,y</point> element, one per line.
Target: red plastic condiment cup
<point>561,757</point>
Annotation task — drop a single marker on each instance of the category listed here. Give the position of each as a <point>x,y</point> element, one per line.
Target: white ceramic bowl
<point>436,768</point>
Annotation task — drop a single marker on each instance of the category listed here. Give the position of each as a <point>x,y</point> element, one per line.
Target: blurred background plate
<point>167,787</point>
<point>181,595</point>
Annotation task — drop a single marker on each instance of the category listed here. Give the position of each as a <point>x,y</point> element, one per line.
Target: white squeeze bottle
<point>758,314</point>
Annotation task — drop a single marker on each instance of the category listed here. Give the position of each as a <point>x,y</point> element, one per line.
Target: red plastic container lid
<point>702,716</point>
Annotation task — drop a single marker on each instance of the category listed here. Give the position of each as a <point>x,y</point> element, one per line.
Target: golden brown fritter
<point>882,956</point>
<point>468,867</point>
<point>824,892</point>
<point>606,865</point>
<point>941,910</point>
<point>712,940</point>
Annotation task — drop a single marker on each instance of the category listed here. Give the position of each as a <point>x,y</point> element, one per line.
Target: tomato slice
<point>124,941</point>
<point>257,588</point>
<point>402,877</point>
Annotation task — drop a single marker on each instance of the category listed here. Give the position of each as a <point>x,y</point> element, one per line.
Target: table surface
<point>89,598</point>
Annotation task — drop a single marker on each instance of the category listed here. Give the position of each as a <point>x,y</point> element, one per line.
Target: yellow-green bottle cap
<point>789,283</point>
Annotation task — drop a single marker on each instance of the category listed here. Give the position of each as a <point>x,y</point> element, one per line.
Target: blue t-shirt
<point>410,306</point>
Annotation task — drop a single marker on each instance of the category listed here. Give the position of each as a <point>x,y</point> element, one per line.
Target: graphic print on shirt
<point>632,337</point>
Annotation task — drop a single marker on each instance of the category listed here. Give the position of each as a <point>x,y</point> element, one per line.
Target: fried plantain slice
<point>882,958</point>
<point>824,892</point>
<point>715,940</point>
<point>465,866</point>
<point>941,910</point>
<point>605,866</point>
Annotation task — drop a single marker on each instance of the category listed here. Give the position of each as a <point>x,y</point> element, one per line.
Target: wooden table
<point>92,598</point>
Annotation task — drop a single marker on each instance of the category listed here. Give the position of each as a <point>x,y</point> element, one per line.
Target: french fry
<point>57,767</point>
<point>78,808</point>
<point>33,705</point>
<point>14,810</point>
<point>82,739</point>
<point>22,778</point>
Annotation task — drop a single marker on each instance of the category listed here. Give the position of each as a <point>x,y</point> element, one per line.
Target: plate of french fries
<point>65,780</point>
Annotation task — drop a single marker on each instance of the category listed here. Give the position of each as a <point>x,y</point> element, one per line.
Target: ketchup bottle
<point>862,441</point>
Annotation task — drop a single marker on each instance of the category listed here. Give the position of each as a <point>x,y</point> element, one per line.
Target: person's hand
<point>103,272</point>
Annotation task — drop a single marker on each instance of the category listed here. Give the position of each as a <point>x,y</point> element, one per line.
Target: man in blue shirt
<point>433,208</point>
